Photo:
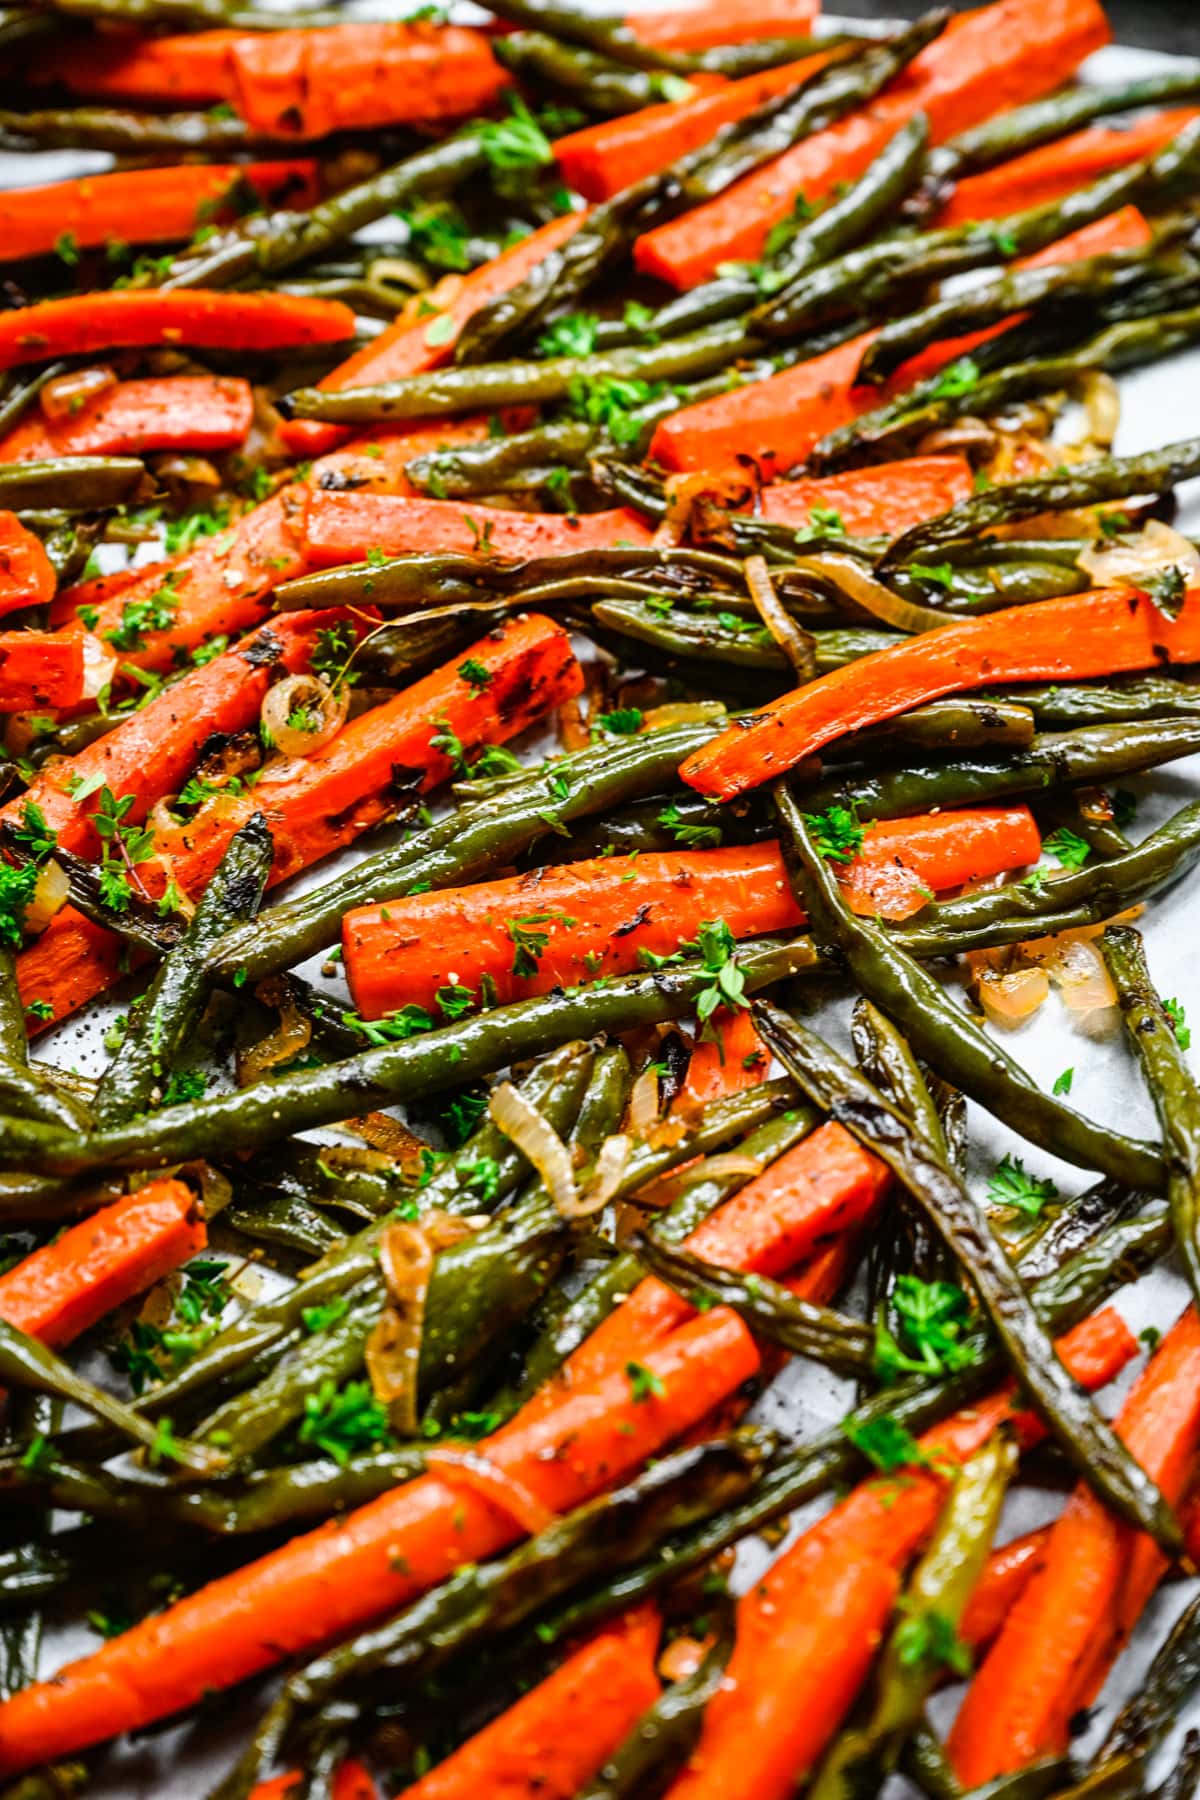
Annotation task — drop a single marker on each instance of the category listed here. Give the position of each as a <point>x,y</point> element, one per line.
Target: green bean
<point>482,1600</point>
<point>664,1736</point>
<point>1035,1781</point>
<point>444,392</point>
<point>25,1089</point>
<point>874,276</point>
<point>941,1585</point>
<point>704,637</point>
<point>193,13</point>
<point>1106,478</point>
<point>1170,1681</point>
<point>1153,1034</point>
<point>1061,1231</point>
<point>770,1310</point>
<point>526,459</point>
<point>288,1222</point>
<point>127,133</point>
<point>925,1762</point>
<point>886,1060</point>
<point>1063,902</point>
<point>60,1782</point>
<point>1140,697</point>
<point>1182,1780</point>
<point>1086,1437</point>
<point>162,1023</point>
<point>77,482</point>
<point>467,845</point>
<point>596,82</point>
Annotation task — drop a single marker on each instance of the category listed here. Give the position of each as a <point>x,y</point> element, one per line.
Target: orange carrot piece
<point>324,1583</point>
<point>62,1290</point>
<point>601,159</point>
<point>349,77</point>
<point>562,1732</point>
<point>420,340</point>
<point>355,780</point>
<point>345,528</point>
<point>350,1783</point>
<point>134,317</point>
<point>151,753</point>
<point>183,70</point>
<point>39,669</point>
<point>699,27</point>
<point>71,962</point>
<point>732,1059</point>
<point>143,206</point>
<point>27,575</point>
<point>177,412</point>
<point>1062,1637</point>
<point>1106,631</point>
<point>775,423</point>
<point>1006,1574</point>
<point>880,501</point>
<point>998,56</point>
<point>599,916</point>
<point>810,1197</point>
<point>1047,174</point>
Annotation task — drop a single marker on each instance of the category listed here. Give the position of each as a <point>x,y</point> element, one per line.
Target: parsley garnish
<point>439,235</point>
<point>574,335</point>
<point>16,891</point>
<point>836,833</point>
<point>155,613</point>
<point>929,1640</point>
<point>934,1319</point>
<point>343,1421</point>
<point>643,1382</point>
<point>692,837</point>
<point>394,1028</point>
<point>1012,1185</point>
<point>727,986</point>
<point>624,721</point>
<point>609,401</point>
<point>959,378</point>
<point>320,1318</point>
<point>1067,848</point>
<point>1178,1017</point>
<point>476,674</point>
<point>34,834</point>
<point>529,942</point>
<point>885,1442</point>
<point>1062,1083</point>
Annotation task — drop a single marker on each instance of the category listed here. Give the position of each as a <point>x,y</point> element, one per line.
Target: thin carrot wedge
<point>879,501</point>
<point>562,1732</point>
<point>375,463</point>
<point>351,1782</point>
<point>39,669</point>
<point>400,749</point>
<point>1062,1637</point>
<point>186,70</point>
<point>807,1200</point>
<point>775,423</point>
<point>323,1584</point>
<point>151,753</point>
<point>421,339</point>
<point>1007,1573</point>
<point>732,1059</point>
<point>143,206</point>
<point>177,412</point>
<point>1047,174</point>
<point>346,528</point>
<point>62,1290</point>
<point>756,1739</point>
<point>784,1696</point>
<point>157,317</point>
<point>350,77</point>
<point>701,26</point>
<point>27,575</point>
<point>1106,631</point>
<point>608,916</point>
<point>601,159</point>
<point>998,56</point>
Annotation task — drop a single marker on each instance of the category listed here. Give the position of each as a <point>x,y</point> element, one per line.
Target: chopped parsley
<point>1012,1185</point>
<point>394,1027</point>
<point>961,377</point>
<point>934,1319</point>
<point>1067,848</point>
<point>644,1384</point>
<point>624,721</point>
<point>344,1421</point>
<point>836,833</point>
<point>884,1442</point>
<point>1062,1083</point>
<point>927,1639</point>
<point>1178,1017</point>
<point>476,674</point>
<point>574,335</point>
<point>691,836</point>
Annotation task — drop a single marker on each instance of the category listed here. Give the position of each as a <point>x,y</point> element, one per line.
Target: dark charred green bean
<point>467,845</point>
<point>1182,1781</point>
<point>1086,1437</point>
<point>767,1307</point>
<point>1153,1034</point>
<point>288,1222</point>
<point>664,1737</point>
<point>1062,1231</point>
<point>886,1060</point>
<point>1088,484</point>
<point>163,1021</point>
<point>1170,1681</point>
<point>482,1600</point>
<point>925,1762</point>
<point>522,460</point>
<point>79,483</point>
<point>958,724</point>
<point>724,638</point>
<point>941,1585</point>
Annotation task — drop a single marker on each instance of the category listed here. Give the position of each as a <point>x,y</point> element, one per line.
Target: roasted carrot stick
<point>321,1585</point>
<point>420,338</point>
<point>72,961</point>
<point>884,500</point>
<point>1007,1573</point>
<point>756,1737</point>
<point>39,669</point>
<point>63,1289</point>
<point>151,753</point>
<point>350,77</point>
<point>133,317</point>
<point>605,916</point>
<point>775,423</point>
<point>1047,174</point>
<point>599,160</point>
<point>191,70</point>
<point>402,748</point>
<point>732,1059</point>
<point>1072,1621</point>
<point>143,206</point>
<point>701,26</point>
<point>561,1733</point>
<point>178,412</point>
<point>998,56</point>
<point>1107,631</point>
<point>27,575</point>
<point>350,1783</point>
<point>345,528</point>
